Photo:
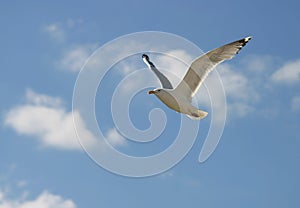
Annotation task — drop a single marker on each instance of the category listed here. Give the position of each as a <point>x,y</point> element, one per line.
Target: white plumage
<point>179,99</point>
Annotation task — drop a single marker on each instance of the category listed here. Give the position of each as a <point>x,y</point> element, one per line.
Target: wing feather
<point>203,65</point>
<point>166,84</point>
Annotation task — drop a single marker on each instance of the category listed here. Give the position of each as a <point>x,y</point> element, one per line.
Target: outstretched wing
<point>166,84</point>
<point>201,67</point>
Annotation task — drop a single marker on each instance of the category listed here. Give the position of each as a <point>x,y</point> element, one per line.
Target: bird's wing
<point>201,67</point>
<point>162,78</point>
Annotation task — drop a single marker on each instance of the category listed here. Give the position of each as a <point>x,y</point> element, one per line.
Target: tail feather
<point>198,115</point>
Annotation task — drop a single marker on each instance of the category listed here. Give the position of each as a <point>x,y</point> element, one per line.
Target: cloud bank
<point>44,200</point>
<point>45,118</point>
<point>289,73</point>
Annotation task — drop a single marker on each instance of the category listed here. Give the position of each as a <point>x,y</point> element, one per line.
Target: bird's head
<point>156,92</point>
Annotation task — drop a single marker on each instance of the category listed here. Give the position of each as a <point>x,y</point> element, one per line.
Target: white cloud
<point>295,104</point>
<point>239,109</point>
<point>237,85</point>
<point>288,73</point>
<point>241,95</point>
<point>55,31</point>
<point>114,137</point>
<point>39,99</point>
<point>74,58</point>
<point>46,119</point>
<point>44,200</point>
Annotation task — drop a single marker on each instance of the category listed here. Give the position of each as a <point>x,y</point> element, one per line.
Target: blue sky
<point>44,46</point>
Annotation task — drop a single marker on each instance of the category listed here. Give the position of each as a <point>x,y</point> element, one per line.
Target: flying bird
<point>180,98</point>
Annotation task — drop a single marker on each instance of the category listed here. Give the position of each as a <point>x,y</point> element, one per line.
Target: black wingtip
<point>144,56</point>
<point>244,41</point>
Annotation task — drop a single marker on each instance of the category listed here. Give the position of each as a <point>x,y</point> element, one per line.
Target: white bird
<point>179,99</point>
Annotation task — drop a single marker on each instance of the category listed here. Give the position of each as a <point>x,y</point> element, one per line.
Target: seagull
<point>180,98</point>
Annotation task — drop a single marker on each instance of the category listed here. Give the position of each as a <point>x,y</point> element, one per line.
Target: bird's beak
<point>151,92</point>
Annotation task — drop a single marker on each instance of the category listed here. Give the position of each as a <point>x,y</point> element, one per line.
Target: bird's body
<point>179,99</point>
<point>178,103</point>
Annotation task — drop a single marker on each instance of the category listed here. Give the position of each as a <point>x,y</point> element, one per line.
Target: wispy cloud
<point>115,138</point>
<point>40,99</point>
<point>241,95</point>
<point>288,73</point>
<point>73,55</point>
<point>239,109</point>
<point>74,58</point>
<point>55,31</point>
<point>237,85</point>
<point>58,31</point>
<point>47,120</point>
<point>44,200</point>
